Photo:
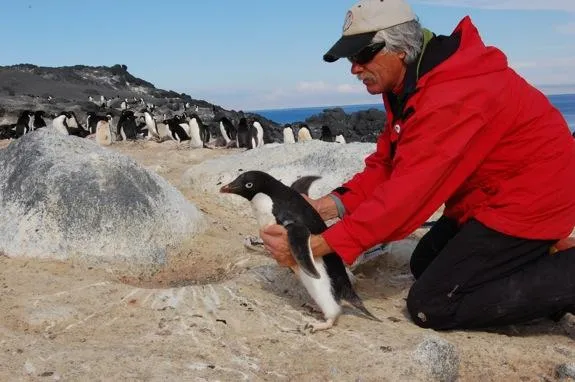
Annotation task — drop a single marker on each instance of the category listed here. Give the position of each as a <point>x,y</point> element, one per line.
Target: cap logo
<point>348,20</point>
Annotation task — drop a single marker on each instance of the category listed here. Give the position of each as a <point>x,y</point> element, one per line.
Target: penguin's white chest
<point>223,132</point>
<point>195,133</point>
<point>263,206</point>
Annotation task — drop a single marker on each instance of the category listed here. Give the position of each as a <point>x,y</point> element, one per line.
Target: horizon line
<point>253,110</point>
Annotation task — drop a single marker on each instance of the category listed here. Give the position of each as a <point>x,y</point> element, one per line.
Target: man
<point>465,131</point>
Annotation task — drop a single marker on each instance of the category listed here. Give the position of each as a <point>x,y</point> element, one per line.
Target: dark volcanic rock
<point>361,126</point>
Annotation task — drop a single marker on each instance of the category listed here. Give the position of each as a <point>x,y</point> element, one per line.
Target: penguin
<point>71,120</point>
<point>339,139</point>
<point>74,128</point>
<point>7,132</point>
<point>202,128</point>
<point>260,133</point>
<point>103,133</point>
<point>303,134</point>
<point>247,135</point>
<point>91,99</point>
<point>24,124</point>
<point>39,119</point>
<point>183,120</point>
<point>195,132</point>
<point>227,130</point>
<point>326,134</point>
<point>92,120</point>
<point>288,134</point>
<point>325,278</point>
<point>123,117</point>
<point>59,124</point>
<point>151,125</point>
<point>177,132</point>
<point>141,130</point>
<point>31,120</point>
<point>126,127</point>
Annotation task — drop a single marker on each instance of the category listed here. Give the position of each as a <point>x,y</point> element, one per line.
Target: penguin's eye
<point>249,185</point>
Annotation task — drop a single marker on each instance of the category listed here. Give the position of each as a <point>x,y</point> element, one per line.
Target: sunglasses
<point>366,54</point>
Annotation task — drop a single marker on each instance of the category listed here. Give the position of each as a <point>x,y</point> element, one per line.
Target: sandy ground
<point>223,312</point>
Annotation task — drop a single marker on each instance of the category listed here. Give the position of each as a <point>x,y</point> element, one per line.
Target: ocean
<point>564,102</point>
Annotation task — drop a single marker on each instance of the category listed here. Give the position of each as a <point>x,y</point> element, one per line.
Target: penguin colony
<point>128,124</point>
<point>132,125</point>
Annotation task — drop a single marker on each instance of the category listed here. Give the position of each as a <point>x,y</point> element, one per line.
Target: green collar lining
<point>427,36</point>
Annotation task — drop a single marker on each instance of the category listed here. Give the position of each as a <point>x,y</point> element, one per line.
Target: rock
<point>334,163</point>
<point>566,371</point>
<point>29,368</point>
<point>361,126</point>
<point>66,198</point>
<point>439,358</point>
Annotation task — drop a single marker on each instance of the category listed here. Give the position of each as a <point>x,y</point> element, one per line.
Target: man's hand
<point>276,242</point>
<point>325,206</point>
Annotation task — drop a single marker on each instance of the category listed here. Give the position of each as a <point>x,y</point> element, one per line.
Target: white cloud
<point>316,86</point>
<point>551,75</point>
<point>558,5</point>
<point>566,28</point>
<point>351,89</point>
<point>566,64</point>
<point>324,87</point>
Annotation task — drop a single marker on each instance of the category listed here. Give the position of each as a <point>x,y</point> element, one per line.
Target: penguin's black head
<point>249,184</point>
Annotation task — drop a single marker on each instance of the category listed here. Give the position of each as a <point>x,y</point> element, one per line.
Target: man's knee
<point>430,311</point>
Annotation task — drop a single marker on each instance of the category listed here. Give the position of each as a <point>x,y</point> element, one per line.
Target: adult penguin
<point>325,278</point>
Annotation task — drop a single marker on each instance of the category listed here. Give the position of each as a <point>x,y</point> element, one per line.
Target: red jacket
<point>477,138</point>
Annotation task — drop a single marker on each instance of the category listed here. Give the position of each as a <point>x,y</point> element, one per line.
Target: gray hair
<point>406,37</point>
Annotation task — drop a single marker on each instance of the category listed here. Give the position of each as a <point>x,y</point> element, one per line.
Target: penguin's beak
<point>228,189</point>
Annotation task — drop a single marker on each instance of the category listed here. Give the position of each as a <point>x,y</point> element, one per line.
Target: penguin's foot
<point>254,243</point>
<point>317,326</point>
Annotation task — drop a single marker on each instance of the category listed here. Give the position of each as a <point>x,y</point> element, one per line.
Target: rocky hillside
<point>79,82</point>
<point>54,89</point>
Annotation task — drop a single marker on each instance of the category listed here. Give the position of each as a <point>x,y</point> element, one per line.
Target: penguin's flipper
<point>303,184</point>
<point>298,238</point>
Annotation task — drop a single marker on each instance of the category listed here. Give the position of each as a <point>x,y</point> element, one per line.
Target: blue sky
<point>262,54</point>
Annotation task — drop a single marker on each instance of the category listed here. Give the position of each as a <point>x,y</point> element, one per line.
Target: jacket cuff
<point>338,204</point>
<point>342,243</point>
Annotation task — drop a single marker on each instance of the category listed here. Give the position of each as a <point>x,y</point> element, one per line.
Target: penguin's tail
<point>354,300</point>
<point>303,184</point>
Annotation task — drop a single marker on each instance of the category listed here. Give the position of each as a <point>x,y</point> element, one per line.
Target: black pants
<point>474,277</point>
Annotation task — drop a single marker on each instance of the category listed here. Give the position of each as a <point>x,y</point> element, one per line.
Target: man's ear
<point>402,55</point>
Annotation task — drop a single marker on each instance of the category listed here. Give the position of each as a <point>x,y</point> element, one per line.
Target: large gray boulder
<point>334,162</point>
<point>66,198</point>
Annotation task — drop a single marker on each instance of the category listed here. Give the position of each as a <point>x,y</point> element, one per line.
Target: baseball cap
<point>363,20</point>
